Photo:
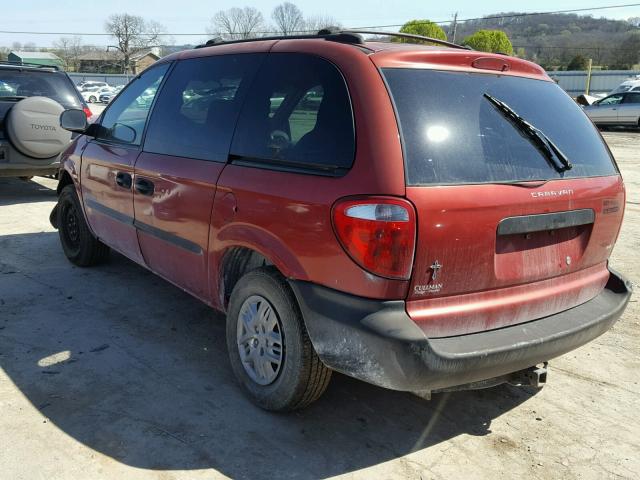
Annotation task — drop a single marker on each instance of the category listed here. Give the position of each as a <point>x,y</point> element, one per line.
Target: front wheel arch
<point>63,180</point>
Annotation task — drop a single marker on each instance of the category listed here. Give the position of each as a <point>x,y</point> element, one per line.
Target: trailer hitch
<point>535,376</point>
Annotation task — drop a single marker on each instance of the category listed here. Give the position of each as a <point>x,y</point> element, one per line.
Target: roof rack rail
<point>26,64</point>
<point>335,35</point>
<point>411,37</point>
<point>326,33</point>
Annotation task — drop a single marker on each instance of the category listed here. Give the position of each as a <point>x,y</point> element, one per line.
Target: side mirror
<point>74,120</point>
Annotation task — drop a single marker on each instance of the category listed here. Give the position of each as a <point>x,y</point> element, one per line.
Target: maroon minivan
<point>424,218</point>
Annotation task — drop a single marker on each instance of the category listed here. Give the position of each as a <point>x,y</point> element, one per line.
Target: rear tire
<point>296,377</point>
<point>78,243</point>
<point>92,99</point>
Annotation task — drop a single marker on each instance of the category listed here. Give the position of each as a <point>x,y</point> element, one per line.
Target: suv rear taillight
<point>87,111</point>
<point>378,233</point>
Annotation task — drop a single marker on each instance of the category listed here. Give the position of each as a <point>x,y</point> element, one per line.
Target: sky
<point>193,16</point>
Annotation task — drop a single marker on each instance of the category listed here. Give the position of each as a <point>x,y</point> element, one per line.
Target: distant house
<point>112,61</point>
<point>142,60</point>
<point>37,58</point>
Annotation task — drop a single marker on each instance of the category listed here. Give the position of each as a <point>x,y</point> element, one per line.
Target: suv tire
<point>78,243</point>
<point>262,298</point>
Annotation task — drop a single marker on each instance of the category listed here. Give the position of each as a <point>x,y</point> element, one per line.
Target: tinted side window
<point>125,118</point>
<point>612,100</point>
<point>297,113</point>
<point>632,97</point>
<point>197,111</point>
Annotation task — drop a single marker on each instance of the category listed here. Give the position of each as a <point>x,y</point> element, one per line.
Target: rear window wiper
<point>550,150</point>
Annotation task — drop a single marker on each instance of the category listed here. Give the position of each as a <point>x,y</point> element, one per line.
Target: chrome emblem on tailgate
<point>552,193</point>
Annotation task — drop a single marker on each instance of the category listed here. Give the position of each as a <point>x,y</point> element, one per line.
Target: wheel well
<point>63,181</point>
<point>237,261</point>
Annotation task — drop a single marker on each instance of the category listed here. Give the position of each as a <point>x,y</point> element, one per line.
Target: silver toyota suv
<point>31,100</point>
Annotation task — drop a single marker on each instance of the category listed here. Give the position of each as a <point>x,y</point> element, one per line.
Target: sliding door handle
<point>123,180</point>
<point>144,186</point>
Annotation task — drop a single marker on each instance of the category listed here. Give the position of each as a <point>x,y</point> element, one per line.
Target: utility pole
<point>454,27</point>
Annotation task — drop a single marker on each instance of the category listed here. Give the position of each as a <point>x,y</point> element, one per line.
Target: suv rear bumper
<point>376,341</point>
<point>27,170</point>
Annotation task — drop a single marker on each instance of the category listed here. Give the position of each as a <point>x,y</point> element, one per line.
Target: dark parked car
<point>422,218</point>
<point>31,100</point>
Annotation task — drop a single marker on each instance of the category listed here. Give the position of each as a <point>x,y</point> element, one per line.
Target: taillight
<point>87,111</point>
<point>378,233</point>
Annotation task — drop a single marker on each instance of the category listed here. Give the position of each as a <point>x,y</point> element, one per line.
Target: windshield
<point>451,134</point>
<point>30,83</point>
<point>621,88</point>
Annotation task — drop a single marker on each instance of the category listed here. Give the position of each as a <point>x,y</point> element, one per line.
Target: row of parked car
<point>98,92</point>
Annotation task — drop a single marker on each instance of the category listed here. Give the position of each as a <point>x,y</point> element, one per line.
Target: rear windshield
<point>452,134</point>
<point>30,83</point>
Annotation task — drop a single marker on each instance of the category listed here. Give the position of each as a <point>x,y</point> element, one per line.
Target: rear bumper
<point>27,170</point>
<point>376,341</point>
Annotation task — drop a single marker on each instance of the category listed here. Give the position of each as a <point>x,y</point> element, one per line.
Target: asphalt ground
<point>110,372</point>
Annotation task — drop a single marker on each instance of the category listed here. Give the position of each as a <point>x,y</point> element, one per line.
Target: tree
<point>426,28</point>
<point>237,23</point>
<point>288,18</point>
<point>69,49</point>
<point>628,53</point>
<point>133,34</point>
<point>495,41</point>
<point>316,23</point>
<point>578,62</point>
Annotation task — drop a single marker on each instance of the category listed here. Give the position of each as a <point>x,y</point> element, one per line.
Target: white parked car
<point>617,109</point>
<point>106,97</point>
<point>630,85</point>
<point>92,94</point>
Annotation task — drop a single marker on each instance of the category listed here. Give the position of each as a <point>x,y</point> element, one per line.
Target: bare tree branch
<point>237,23</point>
<point>288,18</point>
<point>133,34</point>
<point>315,23</point>
<point>69,49</point>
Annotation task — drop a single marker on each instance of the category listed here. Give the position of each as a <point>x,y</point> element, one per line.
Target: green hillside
<point>554,39</point>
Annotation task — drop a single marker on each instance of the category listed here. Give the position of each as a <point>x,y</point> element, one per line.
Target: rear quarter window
<point>451,134</point>
<point>198,107</point>
<point>34,83</point>
<point>297,115</point>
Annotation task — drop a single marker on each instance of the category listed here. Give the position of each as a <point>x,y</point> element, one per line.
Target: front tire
<point>269,348</point>
<point>78,243</point>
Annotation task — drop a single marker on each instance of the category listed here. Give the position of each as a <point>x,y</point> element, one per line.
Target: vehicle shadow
<point>16,190</point>
<point>137,370</point>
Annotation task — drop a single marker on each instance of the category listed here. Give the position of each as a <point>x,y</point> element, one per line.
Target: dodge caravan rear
<point>424,218</point>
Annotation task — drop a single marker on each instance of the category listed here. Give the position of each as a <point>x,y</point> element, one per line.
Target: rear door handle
<point>123,180</point>
<point>144,186</point>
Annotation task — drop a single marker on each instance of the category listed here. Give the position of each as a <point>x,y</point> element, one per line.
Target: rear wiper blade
<point>550,150</point>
